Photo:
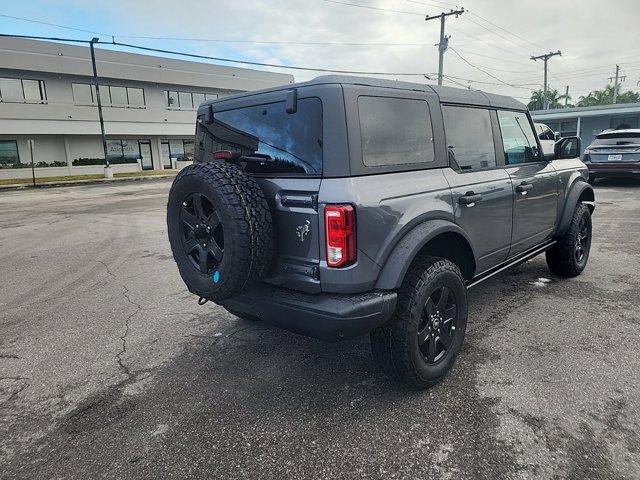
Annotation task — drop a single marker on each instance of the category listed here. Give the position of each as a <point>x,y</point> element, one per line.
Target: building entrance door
<point>166,155</point>
<point>146,155</point>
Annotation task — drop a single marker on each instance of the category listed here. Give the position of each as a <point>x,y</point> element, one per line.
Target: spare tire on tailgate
<point>220,229</point>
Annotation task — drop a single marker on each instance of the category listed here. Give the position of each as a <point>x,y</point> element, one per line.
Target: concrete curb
<point>95,181</point>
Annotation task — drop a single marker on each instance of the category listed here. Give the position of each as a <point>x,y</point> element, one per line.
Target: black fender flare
<point>578,188</point>
<point>406,249</point>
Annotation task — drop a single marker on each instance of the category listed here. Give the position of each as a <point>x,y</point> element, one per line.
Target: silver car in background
<point>614,153</point>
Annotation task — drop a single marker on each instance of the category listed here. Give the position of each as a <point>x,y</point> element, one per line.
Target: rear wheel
<point>420,343</point>
<point>592,178</point>
<point>568,257</point>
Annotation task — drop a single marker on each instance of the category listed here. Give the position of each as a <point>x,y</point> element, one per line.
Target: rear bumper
<point>621,168</point>
<point>325,316</point>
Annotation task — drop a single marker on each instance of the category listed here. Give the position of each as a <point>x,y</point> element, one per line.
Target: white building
<point>149,103</point>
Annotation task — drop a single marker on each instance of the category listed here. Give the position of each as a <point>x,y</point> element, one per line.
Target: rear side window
<point>621,138</point>
<point>518,139</point>
<point>469,137</point>
<point>291,143</point>
<point>395,131</point>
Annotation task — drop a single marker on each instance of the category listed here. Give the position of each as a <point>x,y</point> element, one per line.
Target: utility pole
<point>97,84</point>
<point>566,96</point>
<point>444,40</point>
<point>546,58</point>
<point>618,79</point>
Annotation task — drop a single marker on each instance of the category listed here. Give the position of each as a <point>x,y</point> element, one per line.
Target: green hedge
<point>84,162</point>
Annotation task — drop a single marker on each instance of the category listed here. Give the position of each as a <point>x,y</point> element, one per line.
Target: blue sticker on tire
<point>215,277</point>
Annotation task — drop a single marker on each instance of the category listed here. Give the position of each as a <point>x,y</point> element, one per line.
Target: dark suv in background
<point>614,153</point>
<point>344,206</point>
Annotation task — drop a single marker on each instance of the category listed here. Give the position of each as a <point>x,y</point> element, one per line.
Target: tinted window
<point>518,138</point>
<point>469,137</point>
<point>621,138</point>
<point>395,131</point>
<point>291,143</point>
<point>547,134</point>
<point>9,152</point>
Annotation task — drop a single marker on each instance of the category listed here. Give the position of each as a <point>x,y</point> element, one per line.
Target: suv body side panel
<point>387,208</point>
<point>488,221</point>
<point>535,210</point>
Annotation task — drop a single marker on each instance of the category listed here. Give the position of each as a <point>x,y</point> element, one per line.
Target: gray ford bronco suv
<point>344,206</point>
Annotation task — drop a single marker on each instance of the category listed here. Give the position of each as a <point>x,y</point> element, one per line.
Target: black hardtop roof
<point>445,94</point>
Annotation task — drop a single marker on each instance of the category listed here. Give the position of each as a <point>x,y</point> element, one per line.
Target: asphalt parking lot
<point>109,368</point>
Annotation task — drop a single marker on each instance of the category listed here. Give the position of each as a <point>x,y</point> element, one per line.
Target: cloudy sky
<point>491,42</point>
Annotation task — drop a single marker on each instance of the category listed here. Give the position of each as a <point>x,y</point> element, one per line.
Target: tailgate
<point>294,209</point>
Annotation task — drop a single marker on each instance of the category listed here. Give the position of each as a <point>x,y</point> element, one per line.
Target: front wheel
<point>568,257</point>
<point>420,343</point>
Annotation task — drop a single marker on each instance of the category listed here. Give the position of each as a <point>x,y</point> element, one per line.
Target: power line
<point>487,73</point>
<point>261,64</point>
<point>272,42</point>
<point>53,24</point>
<point>380,9</point>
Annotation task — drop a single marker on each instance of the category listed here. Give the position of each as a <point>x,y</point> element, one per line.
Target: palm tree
<point>605,97</point>
<point>554,99</point>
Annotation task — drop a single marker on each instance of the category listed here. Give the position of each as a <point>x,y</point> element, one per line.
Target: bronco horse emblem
<point>303,230</point>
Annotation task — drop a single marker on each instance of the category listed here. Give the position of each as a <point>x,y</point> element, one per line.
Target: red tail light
<point>340,233</point>
<point>225,155</point>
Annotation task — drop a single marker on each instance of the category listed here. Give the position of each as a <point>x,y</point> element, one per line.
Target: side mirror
<point>567,147</point>
<point>556,136</point>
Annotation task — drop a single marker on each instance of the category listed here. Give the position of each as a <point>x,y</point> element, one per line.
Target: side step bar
<point>523,257</point>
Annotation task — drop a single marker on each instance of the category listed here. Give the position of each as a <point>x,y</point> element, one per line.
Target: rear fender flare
<point>405,251</point>
<point>579,189</point>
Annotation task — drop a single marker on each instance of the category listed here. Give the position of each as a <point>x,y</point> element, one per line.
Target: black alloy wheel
<point>202,233</point>
<point>582,241</point>
<point>438,325</point>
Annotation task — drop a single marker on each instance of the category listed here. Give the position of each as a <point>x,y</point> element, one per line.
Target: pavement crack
<point>107,269</point>
<point>123,338</point>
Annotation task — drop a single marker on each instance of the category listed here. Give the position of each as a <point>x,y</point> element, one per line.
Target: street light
<point>107,172</point>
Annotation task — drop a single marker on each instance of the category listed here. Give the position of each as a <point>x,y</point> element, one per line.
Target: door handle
<point>524,187</point>
<point>469,198</point>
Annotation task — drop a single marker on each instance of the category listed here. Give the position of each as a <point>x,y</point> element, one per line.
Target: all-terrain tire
<point>240,222</point>
<point>396,345</point>
<point>563,259</point>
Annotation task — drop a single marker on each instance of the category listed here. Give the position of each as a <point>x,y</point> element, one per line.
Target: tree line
<point>594,98</point>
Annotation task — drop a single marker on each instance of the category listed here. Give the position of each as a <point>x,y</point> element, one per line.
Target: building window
<point>126,149</point>
<point>16,90</point>
<point>178,149</point>
<point>186,100</point>
<point>82,94</point>
<point>569,128</point>
<point>9,152</point>
<point>110,96</point>
<point>622,123</point>
<point>135,97</point>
